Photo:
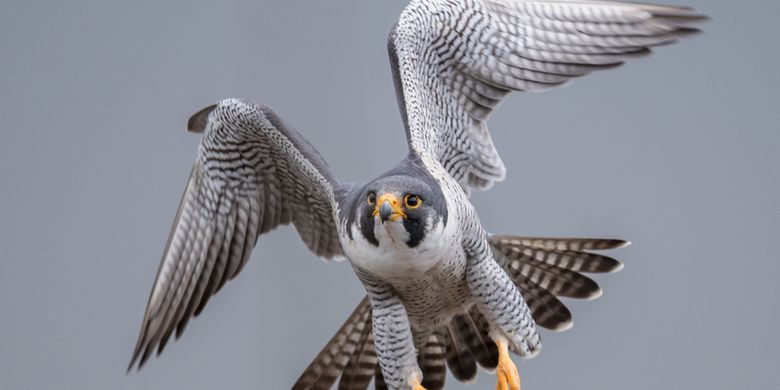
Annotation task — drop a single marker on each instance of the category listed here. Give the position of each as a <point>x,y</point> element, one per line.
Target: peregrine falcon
<point>442,292</point>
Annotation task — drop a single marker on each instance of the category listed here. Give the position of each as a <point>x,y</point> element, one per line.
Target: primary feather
<point>251,175</point>
<point>455,61</point>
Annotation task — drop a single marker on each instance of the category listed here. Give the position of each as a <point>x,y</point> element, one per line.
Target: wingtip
<point>689,31</point>
<point>698,18</point>
<point>131,365</point>
<point>135,364</point>
<point>684,19</point>
<point>197,122</point>
<point>134,358</point>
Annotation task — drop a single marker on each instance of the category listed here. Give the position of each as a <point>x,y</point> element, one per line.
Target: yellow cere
<point>398,213</point>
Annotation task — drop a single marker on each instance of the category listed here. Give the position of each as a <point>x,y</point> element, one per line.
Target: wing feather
<point>362,364</point>
<point>454,61</point>
<point>334,357</point>
<point>252,174</point>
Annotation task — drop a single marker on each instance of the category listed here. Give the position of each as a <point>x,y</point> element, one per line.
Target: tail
<point>350,350</point>
<point>542,268</point>
<point>547,268</point>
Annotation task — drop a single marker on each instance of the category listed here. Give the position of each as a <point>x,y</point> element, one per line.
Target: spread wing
<point>251,175</point>
<point>455,60</point>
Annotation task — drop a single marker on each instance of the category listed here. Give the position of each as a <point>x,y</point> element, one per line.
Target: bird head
<point>400,208</point>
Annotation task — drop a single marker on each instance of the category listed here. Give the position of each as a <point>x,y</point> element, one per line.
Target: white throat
<point>391,234</point>
<point>393,258</point>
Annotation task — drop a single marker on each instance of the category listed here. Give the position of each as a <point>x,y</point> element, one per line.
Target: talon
<point>416,385</point>
<point>508,377</point>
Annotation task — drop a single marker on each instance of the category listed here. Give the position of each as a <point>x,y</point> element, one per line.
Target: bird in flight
<point>442,292</point>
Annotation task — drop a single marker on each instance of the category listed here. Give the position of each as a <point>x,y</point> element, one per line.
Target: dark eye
<point>412,201</point>
<point>371,197</point>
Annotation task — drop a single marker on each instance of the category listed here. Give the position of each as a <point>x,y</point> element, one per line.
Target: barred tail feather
<point>542,268</point>
<point>547,268</point>
<point>548,311</point>
<point>432,363</point>
<point>362,364</point>
<point>460,360</point>
<point>334,357</point>
<point>562,244</point>
<point>350,357</point>
<point>488,358</point>
<point>558,281</point>
<point>473,330</point>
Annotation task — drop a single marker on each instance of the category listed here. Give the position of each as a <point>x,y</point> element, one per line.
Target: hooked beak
<point>385,210</point>
<point>387,207</point>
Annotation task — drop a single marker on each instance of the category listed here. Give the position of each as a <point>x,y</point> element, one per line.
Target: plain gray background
<point>678,153</point>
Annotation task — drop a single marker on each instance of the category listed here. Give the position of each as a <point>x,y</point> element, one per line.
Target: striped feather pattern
<point>363,362</point>
<point>337,353</point>
<point>251,175</point>
<point>432,363</point>
<point>455,61</point>
<point>480,344</point>
<point>548,311</point>
<point>469,333</point>
<point>540,267</point>
<point>560,244</point>
<point>558,281</point>
<point>460,360</point>
<point>547,268</point>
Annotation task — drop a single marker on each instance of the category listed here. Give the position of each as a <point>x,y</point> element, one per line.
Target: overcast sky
<point>677,153</point>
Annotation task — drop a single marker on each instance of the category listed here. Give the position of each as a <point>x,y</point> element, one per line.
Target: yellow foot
<point>416,385</point>
<point>508,378</point>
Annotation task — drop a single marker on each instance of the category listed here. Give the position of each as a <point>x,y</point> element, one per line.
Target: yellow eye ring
<point>371,197</point>
<point>412,201</point>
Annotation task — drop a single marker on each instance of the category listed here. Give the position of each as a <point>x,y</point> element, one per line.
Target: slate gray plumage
<point>440,288</point>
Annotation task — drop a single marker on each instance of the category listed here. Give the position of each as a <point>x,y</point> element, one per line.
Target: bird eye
<point>412,201</point>
<point>371,197</point>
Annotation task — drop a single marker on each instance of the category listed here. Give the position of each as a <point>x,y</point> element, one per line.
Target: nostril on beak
<point>385,210</point>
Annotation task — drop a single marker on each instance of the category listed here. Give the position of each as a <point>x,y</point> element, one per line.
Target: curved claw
<point>508,377</point>
<point>417,383</point>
